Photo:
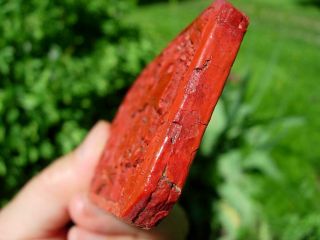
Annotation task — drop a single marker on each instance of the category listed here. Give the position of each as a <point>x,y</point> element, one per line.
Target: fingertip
<point>102,126</point>
<point>94,143</point>
<point>85,158</point>
<point>100,123</point>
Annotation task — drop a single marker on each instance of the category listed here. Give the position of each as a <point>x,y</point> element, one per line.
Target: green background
<point>66,64</point>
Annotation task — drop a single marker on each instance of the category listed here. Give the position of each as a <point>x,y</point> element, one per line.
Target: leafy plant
<point>63,65</point>
<point>236,160</point>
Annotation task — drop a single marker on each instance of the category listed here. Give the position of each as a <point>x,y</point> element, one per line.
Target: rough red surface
<point>159,125</point>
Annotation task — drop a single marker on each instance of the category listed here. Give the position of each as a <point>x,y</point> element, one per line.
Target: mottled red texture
<point>160,123</point>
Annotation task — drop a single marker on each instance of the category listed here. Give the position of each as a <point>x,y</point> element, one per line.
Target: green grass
<point>282,47</point>
<point>281,56</point>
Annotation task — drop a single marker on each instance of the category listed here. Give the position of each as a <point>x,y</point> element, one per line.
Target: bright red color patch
<point>159,125</point>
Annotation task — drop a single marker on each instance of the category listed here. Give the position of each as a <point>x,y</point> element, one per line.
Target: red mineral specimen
<point>159,125</point>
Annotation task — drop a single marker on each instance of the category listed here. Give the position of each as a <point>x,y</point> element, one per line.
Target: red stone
<point>159,125</point>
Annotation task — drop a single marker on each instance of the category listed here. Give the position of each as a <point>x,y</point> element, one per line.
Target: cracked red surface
<point>159,125</point>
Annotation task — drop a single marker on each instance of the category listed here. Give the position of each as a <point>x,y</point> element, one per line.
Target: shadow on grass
<point>313,3</point>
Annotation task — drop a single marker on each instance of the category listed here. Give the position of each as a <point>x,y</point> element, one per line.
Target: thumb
<point>40,208</point>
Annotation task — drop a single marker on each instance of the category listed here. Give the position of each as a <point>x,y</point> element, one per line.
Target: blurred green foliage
<point>63,65</point>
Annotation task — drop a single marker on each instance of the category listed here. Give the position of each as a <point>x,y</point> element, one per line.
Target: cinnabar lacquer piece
<point>159,125</point>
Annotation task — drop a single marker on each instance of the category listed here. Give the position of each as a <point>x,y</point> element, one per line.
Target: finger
<point>77,233</point>
<point>41,206</point>
<point>86,215</point>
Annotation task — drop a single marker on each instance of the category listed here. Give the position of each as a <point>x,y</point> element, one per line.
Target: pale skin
<point>57,196</point>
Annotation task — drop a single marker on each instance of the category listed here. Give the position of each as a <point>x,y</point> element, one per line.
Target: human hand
<point>54,204</point>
